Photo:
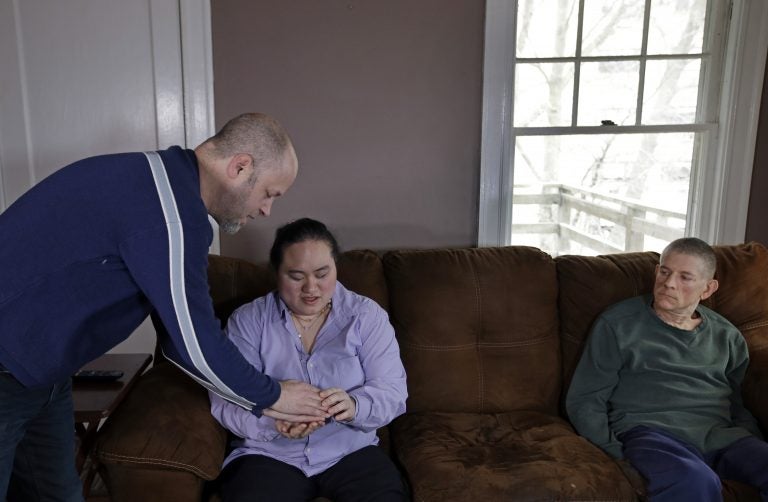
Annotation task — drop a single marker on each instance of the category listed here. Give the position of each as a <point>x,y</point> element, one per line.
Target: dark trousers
<point>365,475</point>
<point>676,471</point>
<point>37,443</point>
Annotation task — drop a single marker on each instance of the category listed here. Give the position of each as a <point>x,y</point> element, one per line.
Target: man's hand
<point>339,404</point>
<point>298,402</point>
<point>297,430</point>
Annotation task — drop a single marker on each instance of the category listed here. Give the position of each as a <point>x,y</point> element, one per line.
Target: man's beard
<point>232,224</point>
<point>230,227</point>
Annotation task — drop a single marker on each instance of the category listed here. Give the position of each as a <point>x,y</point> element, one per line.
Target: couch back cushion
<point>361,271</point>
<point>234,282</point>
<point>588,285</point>
<point>742,298</point>
<point>477,328</point>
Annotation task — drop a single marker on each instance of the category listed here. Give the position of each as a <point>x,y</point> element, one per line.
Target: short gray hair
<point>693,247</point>
<point>256,134</point>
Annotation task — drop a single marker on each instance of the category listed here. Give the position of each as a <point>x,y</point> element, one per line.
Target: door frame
<point>196,81</point>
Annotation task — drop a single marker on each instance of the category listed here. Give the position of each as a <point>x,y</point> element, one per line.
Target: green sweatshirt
<point>638,370</point>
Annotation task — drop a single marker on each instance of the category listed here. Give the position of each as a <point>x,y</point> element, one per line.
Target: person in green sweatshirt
<point>659,384</point>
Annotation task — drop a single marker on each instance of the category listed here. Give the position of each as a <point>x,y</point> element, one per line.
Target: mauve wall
<point>383,101</point>
<point>757,221</point>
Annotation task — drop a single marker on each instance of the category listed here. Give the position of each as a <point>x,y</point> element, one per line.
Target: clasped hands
<point>303,408</point>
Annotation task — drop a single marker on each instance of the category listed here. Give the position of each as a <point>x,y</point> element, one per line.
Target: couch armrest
<point>164,424</point>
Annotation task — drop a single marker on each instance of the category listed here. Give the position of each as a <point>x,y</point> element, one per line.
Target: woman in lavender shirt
<point>314,330</point>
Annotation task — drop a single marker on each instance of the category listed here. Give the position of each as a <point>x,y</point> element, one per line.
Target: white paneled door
<point>88,77</point>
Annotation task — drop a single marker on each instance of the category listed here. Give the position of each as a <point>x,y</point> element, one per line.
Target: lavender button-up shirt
<point>355,350</point>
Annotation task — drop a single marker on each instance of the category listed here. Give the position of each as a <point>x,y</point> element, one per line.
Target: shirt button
<point>311,365</point>
<point>309,450</point>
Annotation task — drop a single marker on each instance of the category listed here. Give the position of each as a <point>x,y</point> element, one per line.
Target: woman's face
<point>306,278</point>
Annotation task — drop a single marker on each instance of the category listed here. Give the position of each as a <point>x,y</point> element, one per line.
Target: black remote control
<point>97,375</point>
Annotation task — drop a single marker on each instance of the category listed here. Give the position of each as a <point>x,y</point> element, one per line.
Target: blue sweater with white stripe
<point>90,251</point>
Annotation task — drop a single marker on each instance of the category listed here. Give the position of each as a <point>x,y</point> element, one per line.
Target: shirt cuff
<point>362,410</point>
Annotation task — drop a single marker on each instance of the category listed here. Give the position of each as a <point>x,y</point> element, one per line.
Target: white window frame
<point>719,214</point>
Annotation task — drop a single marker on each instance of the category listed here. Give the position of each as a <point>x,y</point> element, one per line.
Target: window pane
<point>543,94</point>
<point>546,28</point>
<point>575,194</point>
<point>613,27</point>
<point>608,91</point>
<point>676,26</point>
<point>671,91</point>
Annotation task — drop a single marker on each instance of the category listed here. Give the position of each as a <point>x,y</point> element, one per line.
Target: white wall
<point>82,78</point>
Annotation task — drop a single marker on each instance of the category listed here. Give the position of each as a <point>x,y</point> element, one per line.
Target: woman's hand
<point>297,430</point>
<point>339,404</point>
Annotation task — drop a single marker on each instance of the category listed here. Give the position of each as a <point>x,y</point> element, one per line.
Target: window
<point>607,123</point>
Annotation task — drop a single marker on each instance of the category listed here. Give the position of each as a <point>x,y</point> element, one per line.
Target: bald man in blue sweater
<point>89,252</point>
<point>659,384</point>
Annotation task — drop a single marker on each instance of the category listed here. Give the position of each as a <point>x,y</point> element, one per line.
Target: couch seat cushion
<point>504,456</point>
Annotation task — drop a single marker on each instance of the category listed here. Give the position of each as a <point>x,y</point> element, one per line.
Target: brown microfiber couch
<point>489,338</point>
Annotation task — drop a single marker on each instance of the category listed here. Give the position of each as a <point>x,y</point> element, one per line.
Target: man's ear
<point>712,286</point>
<point>239,163</point>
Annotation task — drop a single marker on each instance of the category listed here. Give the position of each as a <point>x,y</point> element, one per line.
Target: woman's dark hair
<point>303,229</point>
